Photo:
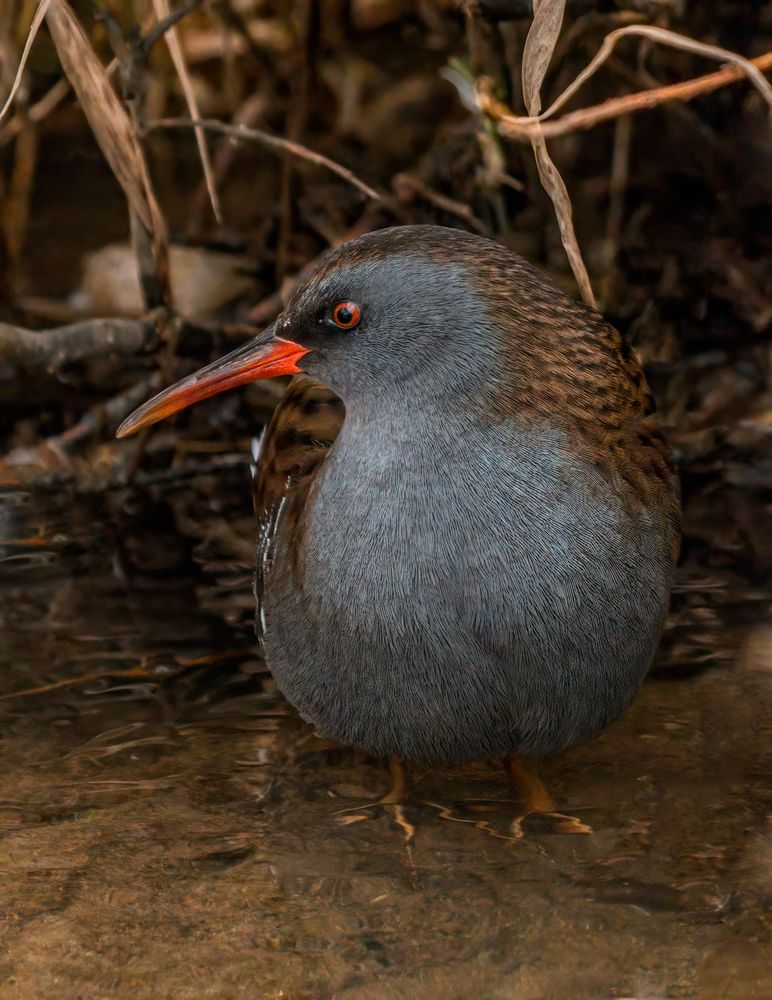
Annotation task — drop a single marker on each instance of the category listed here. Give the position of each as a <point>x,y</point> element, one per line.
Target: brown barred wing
<point>293,447</point>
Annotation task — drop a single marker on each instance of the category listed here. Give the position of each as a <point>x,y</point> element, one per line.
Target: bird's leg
<point>530,790</point>
<point>399,783</point>
<point>393,800</point>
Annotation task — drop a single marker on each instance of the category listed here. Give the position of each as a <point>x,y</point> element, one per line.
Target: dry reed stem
<point>172,40</point>
<point>37,20</point>
<point>539,46</point>
<point>665,37</point>
<point>272,142</point>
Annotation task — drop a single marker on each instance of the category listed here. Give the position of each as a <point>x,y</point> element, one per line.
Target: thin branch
<point>407,186</point>
<point>520,128</point>
<point>674,40</point>
<point>106,415</point>
<point>272,142</point>
<point>165,24</point>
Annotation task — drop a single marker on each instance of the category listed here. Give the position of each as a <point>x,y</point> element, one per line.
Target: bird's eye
<point>346,315</point>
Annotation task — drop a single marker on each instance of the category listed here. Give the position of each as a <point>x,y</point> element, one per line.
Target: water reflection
<point>168,824</point>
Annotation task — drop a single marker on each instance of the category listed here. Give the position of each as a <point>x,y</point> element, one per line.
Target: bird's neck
<point>432,427</point>
<point>439,399</point>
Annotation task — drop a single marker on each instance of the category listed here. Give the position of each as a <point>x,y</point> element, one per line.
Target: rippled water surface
<point>169,826</point>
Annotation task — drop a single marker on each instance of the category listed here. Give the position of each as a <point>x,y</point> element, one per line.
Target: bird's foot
<point>479,813</point>
<point>539,813</point>
<point>547,822</point>
<point>471,813</point>
<point>357,814</point>
<point>392,803</point>
<point>534,807</point>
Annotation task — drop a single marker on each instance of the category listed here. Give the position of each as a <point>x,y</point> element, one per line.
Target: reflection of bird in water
<point>467,519</point>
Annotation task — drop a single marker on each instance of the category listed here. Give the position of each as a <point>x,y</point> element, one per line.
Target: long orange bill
<point>264,357</point>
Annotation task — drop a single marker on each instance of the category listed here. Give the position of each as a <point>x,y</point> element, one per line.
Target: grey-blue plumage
<point>481,562</point>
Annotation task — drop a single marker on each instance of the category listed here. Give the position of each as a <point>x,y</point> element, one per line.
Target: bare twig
<point>104,416</point>
<point>166,23</point>
<point>272,142</point>
<point>248,114</point>
<point>265,310</point>
<point>17,201</point>
<point>516,127</point>
<point>50,350</point>
<point>620,168</point>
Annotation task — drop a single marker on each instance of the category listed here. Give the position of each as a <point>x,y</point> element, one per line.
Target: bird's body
<point>467,520</point>
<point>454,578</point>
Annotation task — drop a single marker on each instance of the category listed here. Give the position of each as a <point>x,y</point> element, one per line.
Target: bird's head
<point>418,306</point>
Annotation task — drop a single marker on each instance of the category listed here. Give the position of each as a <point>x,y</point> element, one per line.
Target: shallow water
<point>169,826</point>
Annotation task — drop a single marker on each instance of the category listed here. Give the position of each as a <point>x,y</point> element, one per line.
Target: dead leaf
<point>539,46</point>
<point>109,121</point>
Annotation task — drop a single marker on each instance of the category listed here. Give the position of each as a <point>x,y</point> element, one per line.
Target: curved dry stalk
<point>113,129</point>
<point>175,51</point>
<point>665,37</point>
<point>740,67</point>
<point>539,46</point>
<point>111,125</point>
<point>37,20</point>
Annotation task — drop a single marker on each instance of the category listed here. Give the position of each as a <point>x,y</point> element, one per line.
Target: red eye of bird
<point>346,315</point>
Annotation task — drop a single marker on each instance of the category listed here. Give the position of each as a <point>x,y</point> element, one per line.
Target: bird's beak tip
<point>267,356</point>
